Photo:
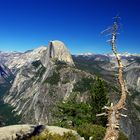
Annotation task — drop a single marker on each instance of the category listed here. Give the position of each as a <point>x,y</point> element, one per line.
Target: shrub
<point>84,84</point>
<point>73,114</point>
<point>60,65</point>
<point>54,79</point>
<point>36,63</point>
<point>122,136</point>
<point>97,132</point>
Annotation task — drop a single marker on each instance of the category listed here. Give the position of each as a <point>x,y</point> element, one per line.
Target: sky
<point>28,24</point>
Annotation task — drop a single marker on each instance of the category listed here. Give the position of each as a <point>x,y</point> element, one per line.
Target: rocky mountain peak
<point>58,50</point>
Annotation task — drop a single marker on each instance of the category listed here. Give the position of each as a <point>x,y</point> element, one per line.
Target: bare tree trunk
<point>113,111</point>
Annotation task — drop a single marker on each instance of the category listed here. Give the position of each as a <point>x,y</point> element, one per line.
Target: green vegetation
<point>60,65</point>
<point>98,96</point>
<point>40,71</point>
<point>98,100</point>
<point>7,117</point>
<point>84,84</point>
<point>74,113</point>
<point>49,136</point>
<point>54,79</point>
<point>122,136</point>
<point>135,93</point>
<point>36,63</point>
<point>137,107</point>
<point>3,89</point>
<point>97,132</point>
<point>65,80</point>
<point>81,116</point>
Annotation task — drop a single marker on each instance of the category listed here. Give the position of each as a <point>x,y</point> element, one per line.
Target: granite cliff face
<point>42,81</point>
<point>57,50</point>
<point>132,76</point>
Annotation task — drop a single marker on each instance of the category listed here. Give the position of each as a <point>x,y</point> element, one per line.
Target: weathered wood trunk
<point>113,112</point>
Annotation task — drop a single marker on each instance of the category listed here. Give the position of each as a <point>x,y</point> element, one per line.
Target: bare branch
<point>106,107</point>
<point>101,114</point>
<point>123,115</point>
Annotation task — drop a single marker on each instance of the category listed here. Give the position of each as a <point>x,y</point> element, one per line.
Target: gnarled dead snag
<point>113,112</point>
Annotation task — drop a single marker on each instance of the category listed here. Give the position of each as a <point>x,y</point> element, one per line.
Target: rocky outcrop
<point>57,50</point>
<point>23,132</point>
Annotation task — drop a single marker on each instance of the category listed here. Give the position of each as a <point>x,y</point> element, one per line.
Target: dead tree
<point>113,111</point>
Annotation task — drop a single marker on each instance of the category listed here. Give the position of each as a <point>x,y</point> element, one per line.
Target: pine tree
<point>98,100</point>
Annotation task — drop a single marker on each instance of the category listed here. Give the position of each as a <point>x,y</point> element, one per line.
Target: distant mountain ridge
<point>5,57</point>
<point>125,54</point>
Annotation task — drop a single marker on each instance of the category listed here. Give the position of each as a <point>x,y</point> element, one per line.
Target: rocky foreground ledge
<point>31,132</point>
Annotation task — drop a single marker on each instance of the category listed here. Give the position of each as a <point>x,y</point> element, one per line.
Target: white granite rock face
<point>57,50</point>
<point>30,93</point>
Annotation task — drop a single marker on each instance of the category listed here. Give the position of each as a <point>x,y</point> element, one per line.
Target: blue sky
<point>28,24</point>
